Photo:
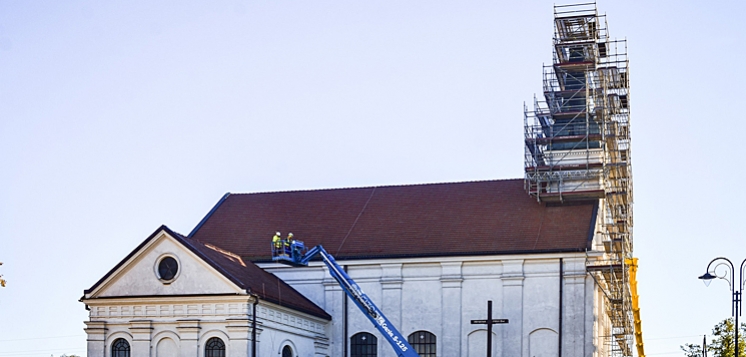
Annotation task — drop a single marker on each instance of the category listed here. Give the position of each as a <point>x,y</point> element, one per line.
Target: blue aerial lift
<point>295,253</point>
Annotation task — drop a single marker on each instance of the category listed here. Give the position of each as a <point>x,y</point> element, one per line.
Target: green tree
<point>723,342</point>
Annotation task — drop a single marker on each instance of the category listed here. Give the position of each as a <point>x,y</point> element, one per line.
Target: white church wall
<point>543,343</point>
<point>541,294</point>
<point>281,327</point>
<point>576,304</point>
<point>481,282</point>
<point>443,297</point>
<point>164,334</point>
<point>477,342</point>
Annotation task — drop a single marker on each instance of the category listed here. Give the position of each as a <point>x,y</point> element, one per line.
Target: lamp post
<point>736,298</point>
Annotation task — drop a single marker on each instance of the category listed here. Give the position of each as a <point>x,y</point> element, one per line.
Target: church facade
<point>430,256</point>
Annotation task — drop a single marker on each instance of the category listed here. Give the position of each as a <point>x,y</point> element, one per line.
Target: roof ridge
<point>372,187</point>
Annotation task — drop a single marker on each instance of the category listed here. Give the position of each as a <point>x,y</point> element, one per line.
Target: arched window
<point>423,343</point>
<point>363,344</point>
<point>287,351</point>
<point>120,348</point>
<point>214,348</point>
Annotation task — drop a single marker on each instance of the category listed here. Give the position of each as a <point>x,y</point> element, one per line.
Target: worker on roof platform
<point>289,242</point>
<point>277,243</point>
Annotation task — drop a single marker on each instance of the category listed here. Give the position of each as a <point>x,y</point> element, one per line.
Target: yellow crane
<point>632,263</point>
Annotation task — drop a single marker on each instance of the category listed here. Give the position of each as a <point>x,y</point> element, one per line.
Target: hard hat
<point>290,235</point>
<point>278,234</point>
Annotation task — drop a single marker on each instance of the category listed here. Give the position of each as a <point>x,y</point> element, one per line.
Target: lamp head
<point>707,278</point>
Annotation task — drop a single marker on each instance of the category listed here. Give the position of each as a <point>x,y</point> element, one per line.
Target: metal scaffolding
<point>578,148</point>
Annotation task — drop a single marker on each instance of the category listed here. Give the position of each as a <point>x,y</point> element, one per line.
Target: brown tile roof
<point>468,218</point>
<point>253,278</point>
<point>244,274</point>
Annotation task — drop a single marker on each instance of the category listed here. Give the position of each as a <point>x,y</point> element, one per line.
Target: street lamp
<point>736,299</point>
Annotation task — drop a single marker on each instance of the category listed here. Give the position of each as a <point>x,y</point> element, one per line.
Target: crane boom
<point>297,255</point>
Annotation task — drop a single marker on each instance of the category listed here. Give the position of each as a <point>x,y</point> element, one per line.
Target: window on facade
<point>287,351</point>
<point>363,344</point>
<point>120,348</point>
<point>215,348</point>
<point>423,343</point>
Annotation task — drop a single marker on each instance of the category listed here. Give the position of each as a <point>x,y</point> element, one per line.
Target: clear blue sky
<point>119,116</point>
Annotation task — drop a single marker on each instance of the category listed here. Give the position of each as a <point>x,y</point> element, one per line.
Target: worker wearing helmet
<point>277,242</point>
<point>288,242</point>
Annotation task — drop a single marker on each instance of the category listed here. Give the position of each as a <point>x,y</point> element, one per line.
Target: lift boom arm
<point>379,320</point>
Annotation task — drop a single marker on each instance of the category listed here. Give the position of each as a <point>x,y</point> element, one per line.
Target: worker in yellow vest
<point>288,242</point>
<point>277,243</point>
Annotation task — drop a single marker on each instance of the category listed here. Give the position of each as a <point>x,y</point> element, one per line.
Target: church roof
<point>428,220</point>
<point>254,279</point>
<point>243,274</point>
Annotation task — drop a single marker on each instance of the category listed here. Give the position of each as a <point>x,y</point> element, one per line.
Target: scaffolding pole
<point>577,148</point>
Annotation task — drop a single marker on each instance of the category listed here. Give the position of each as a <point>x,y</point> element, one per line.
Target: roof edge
<point>163,227</point>
<point>376,186</point>
<point>208,215</point>
<point>427,255</point>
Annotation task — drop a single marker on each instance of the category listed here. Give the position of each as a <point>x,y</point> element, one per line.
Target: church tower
<point>578,149</point>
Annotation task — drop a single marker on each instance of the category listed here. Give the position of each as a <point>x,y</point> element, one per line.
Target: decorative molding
<point>512,272</point>
<point>96,330</point>
<point>330,284</point>
<point>450,275</point>
<point>278,316</point>
<point>188,329</point>
<point>141,330</point>
<point>158,311</point>
<point>391,283</point>
<point>321,343</point>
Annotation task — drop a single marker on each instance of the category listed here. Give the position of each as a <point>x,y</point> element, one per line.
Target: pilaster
<point>189,335</point>
<point>96,340</point>
<point>391,290</point>
<point>333,304</point>
<point>238,333</point>
<point>391,284</point>
<point>450,280</point>
<point>573,326</point>
<point>512,280</point>
<point>141,331</point>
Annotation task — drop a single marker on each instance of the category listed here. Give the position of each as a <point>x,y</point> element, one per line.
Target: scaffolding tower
<point>578,149</point>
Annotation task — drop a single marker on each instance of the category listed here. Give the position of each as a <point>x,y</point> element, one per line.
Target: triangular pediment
<point>163,266</point>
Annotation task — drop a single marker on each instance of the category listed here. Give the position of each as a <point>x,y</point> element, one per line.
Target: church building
<point>550,252</point>
<point>430,256</point>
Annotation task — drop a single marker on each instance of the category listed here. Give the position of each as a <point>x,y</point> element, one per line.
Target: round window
<point>167,268</point>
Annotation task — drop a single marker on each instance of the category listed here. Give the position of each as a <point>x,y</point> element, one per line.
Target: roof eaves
<point>427,255</point>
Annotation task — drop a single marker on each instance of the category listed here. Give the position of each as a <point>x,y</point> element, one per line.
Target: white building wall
<point>160,329</point>
<point>443,297</point>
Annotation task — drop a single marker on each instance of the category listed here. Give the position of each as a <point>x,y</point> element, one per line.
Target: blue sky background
<point>119,116</point>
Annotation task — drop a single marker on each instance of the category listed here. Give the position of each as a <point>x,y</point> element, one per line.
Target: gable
<point>138,275</point>
<point>204,269</point>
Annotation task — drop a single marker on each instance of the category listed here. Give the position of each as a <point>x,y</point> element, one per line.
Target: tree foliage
<point>723,342</point>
